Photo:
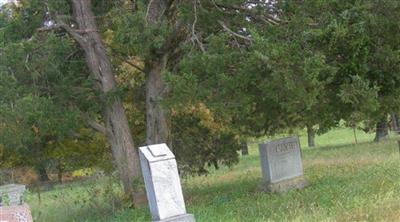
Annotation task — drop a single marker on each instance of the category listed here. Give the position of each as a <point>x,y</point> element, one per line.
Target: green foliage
<point>200,141</point>
<point>362,41</point>
<point>361,97</point>
<point>31,119</point>
<point>133,35</point>
<point>232,75</point>
<point>325,61</point>
<point>20,22</point>
<point>240,83</point>
<point>132,30</point>
<point>130,35</point>
<point>87,150</point>
<point>44,88</point>
<point>320,63</point>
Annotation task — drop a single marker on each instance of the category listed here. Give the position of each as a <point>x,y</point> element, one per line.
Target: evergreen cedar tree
<point>199,75</point>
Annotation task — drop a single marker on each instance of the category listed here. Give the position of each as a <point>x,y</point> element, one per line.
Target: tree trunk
<point>42,173</point>
<point>157,127</point>
<point>60,172</point>
<point>381,130</point>
<point>310,136</point>
<point>117,129</point>
<point>398,144</point>
<point>162,58</point>
<point>124,152</point>
<point>155,11</point>
<point>355,135</point>
<point>245,148</point>
<point>395,122</point>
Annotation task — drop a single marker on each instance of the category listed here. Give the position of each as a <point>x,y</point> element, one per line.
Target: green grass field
<point>348,183</point>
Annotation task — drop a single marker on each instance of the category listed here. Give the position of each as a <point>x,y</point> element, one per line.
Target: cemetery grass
<point>348,182</point>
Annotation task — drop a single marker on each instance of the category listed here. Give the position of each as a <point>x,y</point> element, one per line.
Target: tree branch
<point>97,126</point>
<point>120,57</point>
<point>134,65</point>
<point>194,36</point>
<point>93,124</point>
<point>72,54</point>
<point>72,32</point>
<point>78,37</point>
<point>234,33</point>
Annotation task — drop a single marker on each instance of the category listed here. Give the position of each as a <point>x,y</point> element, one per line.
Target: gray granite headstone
<point>163,186</point>
<point>281,165</point>
<point>11,194</point>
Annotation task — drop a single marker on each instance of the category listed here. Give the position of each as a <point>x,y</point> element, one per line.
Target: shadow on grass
<point>219,192</point>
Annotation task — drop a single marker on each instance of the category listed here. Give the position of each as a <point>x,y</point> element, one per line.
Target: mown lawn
<point>349,182</point>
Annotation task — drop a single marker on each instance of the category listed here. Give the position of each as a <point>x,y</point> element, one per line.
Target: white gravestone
<point>281,165</point>
<point>163,186</point>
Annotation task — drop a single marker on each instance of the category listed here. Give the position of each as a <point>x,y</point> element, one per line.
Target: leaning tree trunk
<point>381,130</point>
<point>157,124</point>
<point>117,129</point>
<point>310,136</point>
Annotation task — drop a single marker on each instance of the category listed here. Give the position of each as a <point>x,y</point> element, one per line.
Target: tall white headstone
<point>281,164</point>
<point>163,186</point>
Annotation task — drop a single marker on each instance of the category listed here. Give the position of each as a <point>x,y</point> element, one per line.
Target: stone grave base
<point>180,218</point>
<point>285,185</point>
<point>20,213</point>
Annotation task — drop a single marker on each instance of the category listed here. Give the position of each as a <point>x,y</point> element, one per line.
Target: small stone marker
<point>11,194</point>
<point>163,186</point>
<point>12,208</point>
<point>281,165</point>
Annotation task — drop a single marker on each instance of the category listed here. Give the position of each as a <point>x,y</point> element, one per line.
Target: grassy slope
<point>348,183</point>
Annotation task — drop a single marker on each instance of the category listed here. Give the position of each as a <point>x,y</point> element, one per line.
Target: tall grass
<point>349,182</point>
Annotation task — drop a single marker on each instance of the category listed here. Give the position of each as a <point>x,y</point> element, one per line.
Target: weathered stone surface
<point>281,165</point>
<point>163,187</point>
<point>13,193</point>
<point>20,213</point>
<point>285,185</point>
